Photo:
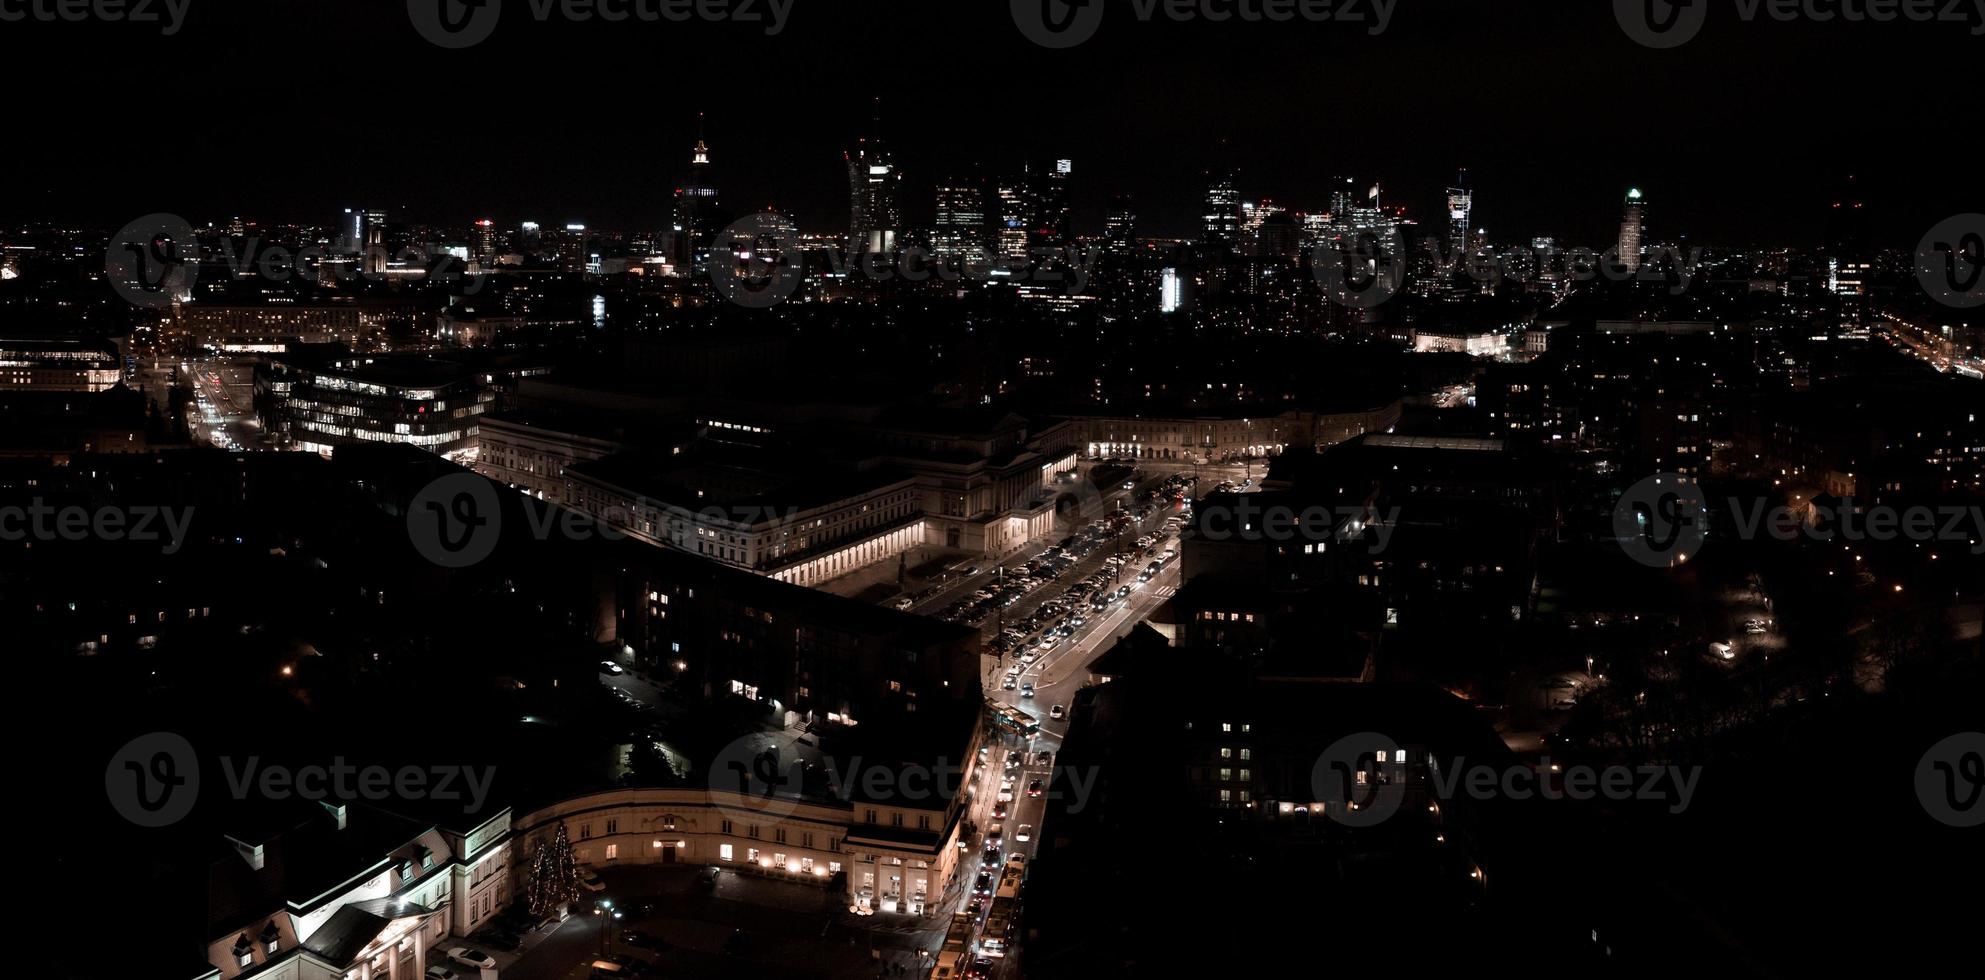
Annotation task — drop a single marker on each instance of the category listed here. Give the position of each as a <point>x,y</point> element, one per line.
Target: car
<point>905,603</point>
<point>707,876</point>
<point>976,905</point>
<point>1034,788</point>
<point>1027,689</point>
<point>609,667</point>
<point>472,957</point>
<point>1043,757</point>
<point>1006,792</point>
<point>981,969</point>
<point>630,966</point>
<point>999,810</point>
<point>1008,685</point>
<point>439,973</point>
<point>984,884</point>
<point>636,937</point>
<point>1057,712</point>
<point>1025,833</point>
<point>1013,760</point>
<point>591,881</point>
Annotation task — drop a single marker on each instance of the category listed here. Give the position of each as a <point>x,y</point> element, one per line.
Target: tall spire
<point>701,157</point>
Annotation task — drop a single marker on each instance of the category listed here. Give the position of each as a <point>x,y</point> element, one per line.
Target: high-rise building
<point>1120,226</point>
<point>1633,229</point>
<point>874,193</point>
<point>1048,187</point>
<point>1460,211</point>
<point>1016,217</point>
<point>363,233</point>
<point>1223,209</point>
<point>961,219</point>
<point>697,216</point>
<point>1343,197</point>
<point>485,243</point>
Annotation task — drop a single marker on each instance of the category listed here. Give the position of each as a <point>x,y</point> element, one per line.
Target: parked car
<point>707,876</point>
<point>590,881</point>
<point>609,667</point>
<point>469,956</point>
<point>439,973</point>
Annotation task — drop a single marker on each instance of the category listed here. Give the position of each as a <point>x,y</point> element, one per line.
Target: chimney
<point>251,853</point>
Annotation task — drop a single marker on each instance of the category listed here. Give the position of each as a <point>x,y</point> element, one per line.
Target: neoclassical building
<point>898,856</point>
<point>351,892</point>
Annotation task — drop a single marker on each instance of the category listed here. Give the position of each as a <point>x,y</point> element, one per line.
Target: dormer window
<point>244,952</point>
<point>272,939</point>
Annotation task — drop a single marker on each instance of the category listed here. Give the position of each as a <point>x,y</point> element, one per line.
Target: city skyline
<point>1294,105</point>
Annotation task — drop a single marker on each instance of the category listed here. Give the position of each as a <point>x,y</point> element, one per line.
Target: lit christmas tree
<point>554,876</point>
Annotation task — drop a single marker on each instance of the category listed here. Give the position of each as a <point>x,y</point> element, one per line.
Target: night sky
<point>290,110</point>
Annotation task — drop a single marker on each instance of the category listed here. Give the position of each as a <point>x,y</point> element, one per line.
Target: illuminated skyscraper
<point>1633,229</point>
<point>697,215</point>
<point>1016,217</point>
<point>1460,210</point>
<point>1048,185</point>
<point>1223,210</point>
<point>874,193</point>
<point>961,219</point>
<point>485,243</point>
<point>1120,226</point>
